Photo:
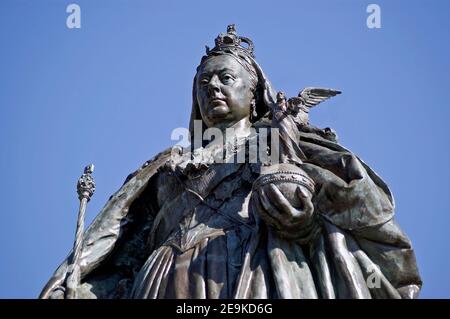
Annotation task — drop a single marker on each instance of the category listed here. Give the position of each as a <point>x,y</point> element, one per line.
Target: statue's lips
<point>217,102</point>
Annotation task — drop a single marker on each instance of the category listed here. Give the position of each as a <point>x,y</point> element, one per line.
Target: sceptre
<point>85,190</point>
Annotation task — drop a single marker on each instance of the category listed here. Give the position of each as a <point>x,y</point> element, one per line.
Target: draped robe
<point>192,232</point>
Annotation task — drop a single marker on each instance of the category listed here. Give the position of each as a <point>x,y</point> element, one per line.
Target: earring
<point>253,109</point>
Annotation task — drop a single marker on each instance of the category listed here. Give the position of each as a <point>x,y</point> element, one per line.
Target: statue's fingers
<point>278,198</point>
<point>290,216</point>
<point>302,193</point>
<point>272,211</point>
<point>308,206</point>
<point>268,219</point>
<point>280,201</point>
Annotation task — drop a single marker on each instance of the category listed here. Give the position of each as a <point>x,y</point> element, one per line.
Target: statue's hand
<point>289,213</point>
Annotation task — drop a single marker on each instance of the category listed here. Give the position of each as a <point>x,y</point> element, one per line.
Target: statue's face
<point>224,91</point>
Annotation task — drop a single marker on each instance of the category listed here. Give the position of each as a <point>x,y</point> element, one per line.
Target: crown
<point>232,41</point>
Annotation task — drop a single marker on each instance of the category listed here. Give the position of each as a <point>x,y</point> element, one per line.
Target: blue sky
<point>111,92</point>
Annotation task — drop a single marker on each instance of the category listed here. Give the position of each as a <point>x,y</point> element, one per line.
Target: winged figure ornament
<point>308,98</point>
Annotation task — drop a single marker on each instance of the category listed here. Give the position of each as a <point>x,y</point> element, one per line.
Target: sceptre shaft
<point>85,190</point>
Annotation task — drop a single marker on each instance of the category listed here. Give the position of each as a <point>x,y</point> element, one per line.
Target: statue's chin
<point>219,112</point>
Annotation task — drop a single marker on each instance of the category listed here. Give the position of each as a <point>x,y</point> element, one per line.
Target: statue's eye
<point>227,78</point>
<point>204,81</point>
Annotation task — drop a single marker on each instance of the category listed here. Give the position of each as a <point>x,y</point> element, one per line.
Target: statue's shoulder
<point>326,133</point>
<point>152,164</point>
<point>264,122</point>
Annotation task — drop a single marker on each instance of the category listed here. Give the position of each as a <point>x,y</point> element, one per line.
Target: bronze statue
<point>316,222</point>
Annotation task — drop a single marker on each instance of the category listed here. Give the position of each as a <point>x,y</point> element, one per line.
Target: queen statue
<point>278,210</point>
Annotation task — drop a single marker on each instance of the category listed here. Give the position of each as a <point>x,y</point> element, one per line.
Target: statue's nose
<point>214,85</point>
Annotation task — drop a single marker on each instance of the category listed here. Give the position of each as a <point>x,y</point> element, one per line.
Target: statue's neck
<point>239,129</point>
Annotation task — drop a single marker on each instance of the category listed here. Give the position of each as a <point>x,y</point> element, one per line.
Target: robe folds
<point>192,232</point>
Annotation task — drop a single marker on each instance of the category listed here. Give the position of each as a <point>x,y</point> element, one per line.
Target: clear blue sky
<point>111,93</point>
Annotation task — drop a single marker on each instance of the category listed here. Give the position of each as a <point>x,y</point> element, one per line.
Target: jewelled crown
<point>232,41</point>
